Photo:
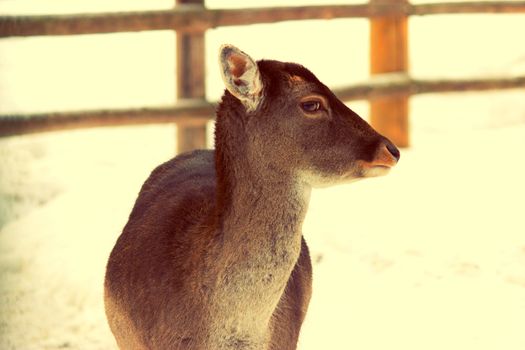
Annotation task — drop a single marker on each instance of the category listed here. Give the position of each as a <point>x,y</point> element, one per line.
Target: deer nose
<point>393,150</point>
<point>387,155</point>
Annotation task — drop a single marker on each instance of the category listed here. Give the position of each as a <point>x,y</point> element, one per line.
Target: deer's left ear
<point>241,76</point>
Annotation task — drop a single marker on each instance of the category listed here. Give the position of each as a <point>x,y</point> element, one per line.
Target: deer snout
<point>387,155</point>
<point>393,150</point>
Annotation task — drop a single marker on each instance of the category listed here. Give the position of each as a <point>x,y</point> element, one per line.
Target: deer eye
<point>311,106</point>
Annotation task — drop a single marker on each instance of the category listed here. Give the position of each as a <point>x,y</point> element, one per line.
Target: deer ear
<point>241,76</point>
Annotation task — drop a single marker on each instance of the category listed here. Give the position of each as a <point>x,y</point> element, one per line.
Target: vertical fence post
<point>190,83</point>
<point>389,53</point>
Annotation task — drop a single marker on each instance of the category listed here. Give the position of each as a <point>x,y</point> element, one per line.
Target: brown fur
<point>212,256</point>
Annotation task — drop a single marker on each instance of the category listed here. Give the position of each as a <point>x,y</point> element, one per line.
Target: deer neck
<point>266,210</point>
<point>260,208</point>
<point>260,205</point>
<point>260,218</point>
<point>260,211</point>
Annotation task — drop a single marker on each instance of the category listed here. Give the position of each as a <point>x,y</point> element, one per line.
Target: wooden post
<point>389,53</point>
<point>190,83</point>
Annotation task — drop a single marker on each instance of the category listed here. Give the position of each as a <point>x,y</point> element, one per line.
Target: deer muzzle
<point>386,157</point>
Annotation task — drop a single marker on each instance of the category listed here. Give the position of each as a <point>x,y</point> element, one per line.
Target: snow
<point>52,257</point>
<point>431,256</point>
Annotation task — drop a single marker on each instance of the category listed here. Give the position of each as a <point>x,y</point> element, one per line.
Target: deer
<point>212,256</point>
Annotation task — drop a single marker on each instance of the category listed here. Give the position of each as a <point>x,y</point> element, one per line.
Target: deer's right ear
<point>241,76</point>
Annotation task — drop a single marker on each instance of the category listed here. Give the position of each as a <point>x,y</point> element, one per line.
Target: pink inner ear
<point>237,64</point>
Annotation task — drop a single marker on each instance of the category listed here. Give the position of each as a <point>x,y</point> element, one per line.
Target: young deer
<point>212,256</point>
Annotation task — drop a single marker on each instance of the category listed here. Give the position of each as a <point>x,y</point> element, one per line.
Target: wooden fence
<point>388,90</point>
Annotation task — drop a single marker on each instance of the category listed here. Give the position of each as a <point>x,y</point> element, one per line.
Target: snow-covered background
<point>430,257</point>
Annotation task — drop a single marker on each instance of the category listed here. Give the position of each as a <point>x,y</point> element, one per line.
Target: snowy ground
<point>430,257</point>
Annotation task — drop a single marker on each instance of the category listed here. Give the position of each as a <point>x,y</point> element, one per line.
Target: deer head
<point>292,123</point>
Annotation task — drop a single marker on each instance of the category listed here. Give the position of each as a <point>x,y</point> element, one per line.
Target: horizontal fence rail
<point>188,112</point>
<point>191,18</point>
<point>448,8</point>
<point>198,110</point>
<point>401,84</point>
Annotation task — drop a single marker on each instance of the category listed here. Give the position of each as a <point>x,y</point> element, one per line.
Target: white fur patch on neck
<point>317,180</point>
